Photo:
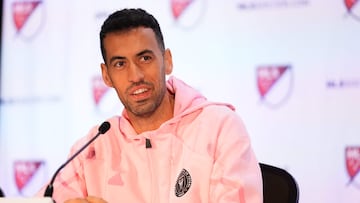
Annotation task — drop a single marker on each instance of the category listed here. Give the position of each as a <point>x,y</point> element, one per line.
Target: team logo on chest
<point>183,183</point>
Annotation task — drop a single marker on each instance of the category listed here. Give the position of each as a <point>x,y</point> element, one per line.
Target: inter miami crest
<point>183,183</point>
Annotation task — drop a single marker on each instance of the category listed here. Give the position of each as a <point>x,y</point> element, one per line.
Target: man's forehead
<point>130,31</point>
<point>130,43</point>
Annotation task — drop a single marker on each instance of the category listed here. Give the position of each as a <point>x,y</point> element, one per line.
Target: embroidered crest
<point>183,183</point>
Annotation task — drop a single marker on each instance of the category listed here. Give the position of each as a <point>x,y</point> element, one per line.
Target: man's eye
<point>145,58</point>
<point>119,64</point>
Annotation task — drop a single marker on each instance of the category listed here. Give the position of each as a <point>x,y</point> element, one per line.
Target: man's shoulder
<point>219,108</point>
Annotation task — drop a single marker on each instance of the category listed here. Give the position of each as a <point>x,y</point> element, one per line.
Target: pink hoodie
<point>202,154</point>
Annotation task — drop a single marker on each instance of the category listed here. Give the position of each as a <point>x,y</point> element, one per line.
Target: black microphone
<point>104,127</point>
<point>2,193</point>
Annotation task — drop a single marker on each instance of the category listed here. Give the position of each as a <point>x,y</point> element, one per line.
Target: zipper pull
<point>147,143</point>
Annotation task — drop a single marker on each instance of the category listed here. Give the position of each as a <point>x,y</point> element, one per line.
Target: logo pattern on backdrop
<point>178,7</point>
<point>187,13</point>
<point>353,8</point>
<point>268,4</point>
<point>106,102</point>
<point>352,160</point>
<point>98,88</point>
<point>343,83</point>
<point>28,17</point>
<point>24,171</point>
<point>274,83</point>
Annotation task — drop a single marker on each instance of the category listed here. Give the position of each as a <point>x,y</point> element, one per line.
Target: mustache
<point>134,84</point>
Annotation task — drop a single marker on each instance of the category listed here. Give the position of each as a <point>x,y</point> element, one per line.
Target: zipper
<point>153,184</point>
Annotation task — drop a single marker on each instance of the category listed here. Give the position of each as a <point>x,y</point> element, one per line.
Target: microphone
<point>104,127</point>
<point>1,193</point>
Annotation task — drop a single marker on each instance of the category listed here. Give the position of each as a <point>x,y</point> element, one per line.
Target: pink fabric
<point>205,142</point>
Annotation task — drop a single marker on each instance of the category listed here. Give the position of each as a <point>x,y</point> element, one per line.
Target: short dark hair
<point>126,19</point>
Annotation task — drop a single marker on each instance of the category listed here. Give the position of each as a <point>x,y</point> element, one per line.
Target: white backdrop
<point>290,67</point>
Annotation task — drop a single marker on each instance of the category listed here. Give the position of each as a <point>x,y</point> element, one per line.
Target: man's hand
<point>89,199</point>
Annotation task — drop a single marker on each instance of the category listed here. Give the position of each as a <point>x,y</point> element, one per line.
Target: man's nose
<point>135,73</point>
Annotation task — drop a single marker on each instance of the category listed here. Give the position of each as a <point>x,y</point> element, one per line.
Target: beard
<point>146,108</point>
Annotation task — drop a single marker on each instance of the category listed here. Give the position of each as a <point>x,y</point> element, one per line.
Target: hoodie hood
<point>187,99</point>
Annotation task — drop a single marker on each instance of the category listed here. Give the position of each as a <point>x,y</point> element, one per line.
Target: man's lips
<point>140,93</point>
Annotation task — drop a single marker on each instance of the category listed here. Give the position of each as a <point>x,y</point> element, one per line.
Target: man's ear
<point>105,75</point>
<point>168,62</point>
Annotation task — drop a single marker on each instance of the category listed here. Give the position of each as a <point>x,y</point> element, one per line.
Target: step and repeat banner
<point>290,67</point>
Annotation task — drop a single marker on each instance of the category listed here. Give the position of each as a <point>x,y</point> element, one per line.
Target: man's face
<point>136,68</point>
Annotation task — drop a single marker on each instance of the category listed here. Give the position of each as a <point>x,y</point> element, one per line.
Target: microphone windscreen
<point>2,193</point>
<point>104,127</point>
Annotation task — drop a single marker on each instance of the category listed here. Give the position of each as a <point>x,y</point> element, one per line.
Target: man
<point>170,144</point>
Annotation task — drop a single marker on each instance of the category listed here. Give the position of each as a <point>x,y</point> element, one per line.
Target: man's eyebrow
<point>146,51</point>
<point>116,58</point>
